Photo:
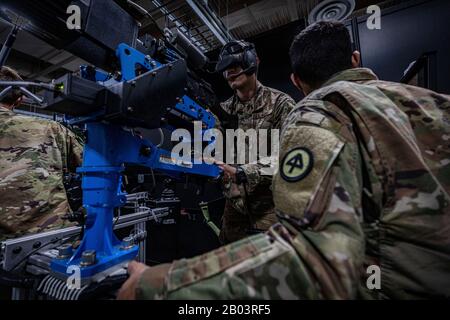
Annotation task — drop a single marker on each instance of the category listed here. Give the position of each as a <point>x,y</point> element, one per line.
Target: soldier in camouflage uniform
<point>364,180</point>
<point>34,154</point>
<point>249,205</point>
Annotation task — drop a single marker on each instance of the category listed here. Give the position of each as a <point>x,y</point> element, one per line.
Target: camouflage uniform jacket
<point>389,143</point>
<point>34,153</point>
<point>363,180</point>
<point>266,110</point>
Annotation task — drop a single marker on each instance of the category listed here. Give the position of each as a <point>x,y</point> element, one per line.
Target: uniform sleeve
<point>217,123</point>
<point>70,145</point>
<point>317,194</point>
<point>261,172</point>
<point>75,151</point>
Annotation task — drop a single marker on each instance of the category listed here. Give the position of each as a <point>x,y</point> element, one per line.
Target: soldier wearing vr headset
<point>249,207</point>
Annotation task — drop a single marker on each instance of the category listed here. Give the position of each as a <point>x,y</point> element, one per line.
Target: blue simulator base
<point>107,149</point>
<point>61,268</point>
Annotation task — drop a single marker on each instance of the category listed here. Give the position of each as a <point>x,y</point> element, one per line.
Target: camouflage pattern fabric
<point>363,180</point>
<point>34,154</point>
<point>250,206</point>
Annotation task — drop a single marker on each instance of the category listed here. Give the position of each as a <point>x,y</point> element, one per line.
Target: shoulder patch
<point>296,164</point>
<point>296,183</point>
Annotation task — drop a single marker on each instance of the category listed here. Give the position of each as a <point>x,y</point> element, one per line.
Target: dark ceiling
<point>236,19</point>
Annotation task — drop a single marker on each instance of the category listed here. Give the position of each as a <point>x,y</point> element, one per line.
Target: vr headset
<point>238,53</point>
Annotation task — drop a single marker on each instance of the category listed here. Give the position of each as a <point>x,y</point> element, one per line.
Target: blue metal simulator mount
<point>108,148</point>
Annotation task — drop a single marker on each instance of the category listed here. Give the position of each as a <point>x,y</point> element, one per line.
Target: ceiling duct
<point>332,10</point>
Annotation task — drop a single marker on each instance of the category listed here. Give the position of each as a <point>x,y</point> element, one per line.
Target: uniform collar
<point>259,88</point>
<point>356,74</point>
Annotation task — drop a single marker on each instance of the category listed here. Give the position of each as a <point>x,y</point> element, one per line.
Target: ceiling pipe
<point>209,18</point>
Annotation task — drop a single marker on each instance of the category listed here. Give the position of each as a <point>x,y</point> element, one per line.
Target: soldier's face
<point>235,78</point>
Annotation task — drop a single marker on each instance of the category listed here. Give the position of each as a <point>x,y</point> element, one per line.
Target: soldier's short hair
<point>321,50</point>
<point>9,74</point>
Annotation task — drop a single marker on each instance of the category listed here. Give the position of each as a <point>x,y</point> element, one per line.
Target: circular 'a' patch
<point>296,164</point>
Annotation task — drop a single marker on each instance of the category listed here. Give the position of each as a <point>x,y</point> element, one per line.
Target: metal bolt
<point>88,258</point>
<point>128,243</point>
<point>130,109</point>
<point>36,245</point>
<point>117,75</point>
<point>146,151</point>
<point>65,251</point>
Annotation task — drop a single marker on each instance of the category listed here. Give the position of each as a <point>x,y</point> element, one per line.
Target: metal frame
<point>15,250</point>
<point>207,40</point>
<point>211,20</point>
<point>28,244</point>
<point>183,28</point>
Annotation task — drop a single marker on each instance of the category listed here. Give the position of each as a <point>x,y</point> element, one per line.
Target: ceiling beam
<point>209,18</point>
<point>180,26</point>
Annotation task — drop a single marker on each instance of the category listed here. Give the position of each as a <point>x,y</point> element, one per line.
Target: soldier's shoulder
<point>388,87</point>
<point>400,91</point>
<point>28,121</point>
<point>277,95</point>
<point>318,113</point>
<point>280,102</point>
<point>402,95</point>
<point>32,123</point>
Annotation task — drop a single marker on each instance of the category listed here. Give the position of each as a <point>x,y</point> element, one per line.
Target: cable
<point>209,202</point>
<point>118,216</point>
<point>161,142</point>
<point>119,212</point>
<point>153,179</point>
<point>145,13</point>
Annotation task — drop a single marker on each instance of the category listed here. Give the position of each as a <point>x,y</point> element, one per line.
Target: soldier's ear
<point>296,81</point>
<point>299,84</point>
<point>356,59</point>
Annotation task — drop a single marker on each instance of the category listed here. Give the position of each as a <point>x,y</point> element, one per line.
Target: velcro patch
<point>307,153</point>
<point>296,164</point>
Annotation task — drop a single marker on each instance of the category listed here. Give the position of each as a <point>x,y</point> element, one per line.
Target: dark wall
<point>273,52</point>
<point>407,32</point>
